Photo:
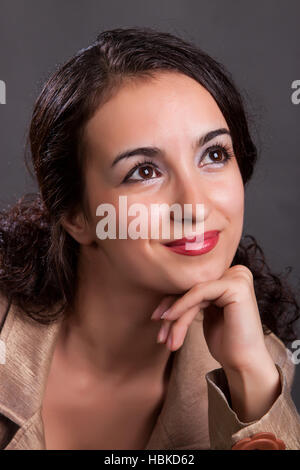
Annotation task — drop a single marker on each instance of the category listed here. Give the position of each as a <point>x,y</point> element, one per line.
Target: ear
<point>78,227</point>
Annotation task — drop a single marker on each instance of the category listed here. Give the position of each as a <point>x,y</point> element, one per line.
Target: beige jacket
<point>195,414</point>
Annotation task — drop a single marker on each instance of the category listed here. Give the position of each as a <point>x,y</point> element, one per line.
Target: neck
<point>108,330</point>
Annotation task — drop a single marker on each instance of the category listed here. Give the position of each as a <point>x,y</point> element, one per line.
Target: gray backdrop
<point>259,43</point>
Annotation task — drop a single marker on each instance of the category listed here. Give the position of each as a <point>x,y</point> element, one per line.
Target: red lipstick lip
<point>198,248</point>
<point>183,241</point>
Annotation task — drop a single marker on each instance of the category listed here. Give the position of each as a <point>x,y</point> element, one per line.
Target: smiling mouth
<point>194,248</point>
<point>182,241</point>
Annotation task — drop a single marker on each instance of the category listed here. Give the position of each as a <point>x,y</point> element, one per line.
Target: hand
<point>231,322</point>
<point>233,331</point>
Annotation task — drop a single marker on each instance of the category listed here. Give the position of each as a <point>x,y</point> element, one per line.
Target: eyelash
<point>226,149</point>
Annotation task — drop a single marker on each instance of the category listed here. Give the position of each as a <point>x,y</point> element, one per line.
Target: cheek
<point>231,204</point>
<point>229,198</point>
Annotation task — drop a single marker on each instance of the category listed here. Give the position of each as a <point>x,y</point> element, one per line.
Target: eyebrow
<point>154,151</point>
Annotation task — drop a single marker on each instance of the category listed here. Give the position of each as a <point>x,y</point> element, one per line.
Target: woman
<point>90,364</point>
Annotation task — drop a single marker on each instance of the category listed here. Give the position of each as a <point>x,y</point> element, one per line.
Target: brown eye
<point>143,171</point>
<point>146,171</point>
<point>216,155</point>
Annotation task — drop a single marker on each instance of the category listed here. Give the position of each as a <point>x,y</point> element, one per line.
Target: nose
<point>192,195</point>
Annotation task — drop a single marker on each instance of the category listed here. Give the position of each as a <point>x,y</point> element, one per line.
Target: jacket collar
<point>183,418</point>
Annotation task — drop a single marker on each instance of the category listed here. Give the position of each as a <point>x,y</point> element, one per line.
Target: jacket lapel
<point>29,348</point>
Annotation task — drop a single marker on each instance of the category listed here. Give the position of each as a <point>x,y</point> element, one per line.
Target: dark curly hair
<point>38,258</point>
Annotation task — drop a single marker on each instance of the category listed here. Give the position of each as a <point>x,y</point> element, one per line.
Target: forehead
<point>170,108</point>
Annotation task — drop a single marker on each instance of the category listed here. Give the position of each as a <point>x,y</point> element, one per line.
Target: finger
<point>175,341</point>
<point>179,328</point>
<point>201,294</point>
<point>164,331</point>
<point>163,305</point>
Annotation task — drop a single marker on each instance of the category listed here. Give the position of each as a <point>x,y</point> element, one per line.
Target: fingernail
<point>162,334</point>
<point>156,314</point>
<point>165,314</point>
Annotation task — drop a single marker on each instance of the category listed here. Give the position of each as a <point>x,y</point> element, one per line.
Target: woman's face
<point>169,113</point>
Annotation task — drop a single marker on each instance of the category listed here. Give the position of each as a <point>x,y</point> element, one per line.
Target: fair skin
<point>108,346</point>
